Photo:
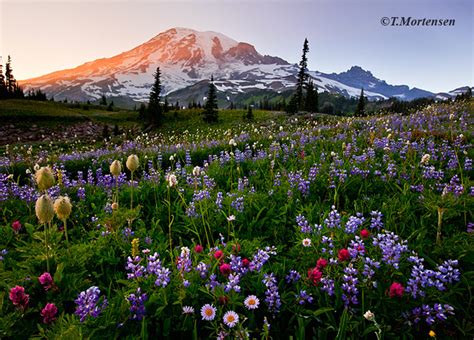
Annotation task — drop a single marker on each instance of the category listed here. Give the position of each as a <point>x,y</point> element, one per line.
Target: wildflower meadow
<point>309,226</point>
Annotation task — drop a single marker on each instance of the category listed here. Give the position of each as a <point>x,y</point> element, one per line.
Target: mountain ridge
<point>186,57</point>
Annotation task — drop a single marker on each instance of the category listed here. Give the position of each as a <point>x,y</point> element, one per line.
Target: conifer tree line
<point>9,87</point>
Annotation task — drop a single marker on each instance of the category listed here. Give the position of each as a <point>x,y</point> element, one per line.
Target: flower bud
<point>369,315</point>
<point>44,209</point>
<point>44,178</point>
<point>62,207</point>
<point>116,168</point>
<point>133,163</point>
<point>115,206</point>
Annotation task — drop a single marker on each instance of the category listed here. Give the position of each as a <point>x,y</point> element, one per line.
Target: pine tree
<point>9,79</point>
<point>3,87</point>
<point>360,109</point>
<point>311,101</point>
<point>154,114</point>
<point>210,108</point>
<point>116,130</point>
<point>302,76</point>
<point>103,100</point>
<point>249,115</point>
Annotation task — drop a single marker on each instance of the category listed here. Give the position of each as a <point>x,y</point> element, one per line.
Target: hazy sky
<point>45,36</point>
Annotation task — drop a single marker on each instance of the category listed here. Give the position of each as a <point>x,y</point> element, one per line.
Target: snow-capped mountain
<point>187,57</point>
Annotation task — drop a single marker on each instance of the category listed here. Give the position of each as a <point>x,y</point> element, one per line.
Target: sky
<point>46,36</point>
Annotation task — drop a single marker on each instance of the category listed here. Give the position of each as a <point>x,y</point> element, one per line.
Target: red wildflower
<point>343,255</point>
<point>245,262</point>
<point>364,233</point>
<point>198,248</point>
<point>16,226</point>
<point>225,269</point>
<point>321,263</point>
<point>49,313</point>
<point>314,274</point>
<point>18,296</point>
<point>396,290</point>
<point>218,254</point>
<point>46,280</point>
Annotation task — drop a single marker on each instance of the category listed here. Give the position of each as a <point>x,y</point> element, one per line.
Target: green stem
<point>170,222</point>
<point>46,246</point>
<point>440,222</point>
<point>131,198</point>
<point>65,232</point>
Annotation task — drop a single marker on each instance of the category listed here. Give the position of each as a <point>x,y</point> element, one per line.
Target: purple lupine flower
<point>213,282</point>
<point>191,210</point>
<point>369,266</point>
<point>354,223</point>
<point>327,285</point>
<point>233,283</point>
<point>2,254</point>
<point>201,195</point>
<point>88,303</point>
<point>184,263</point>
<point>81,193</point>
<point>349,286</point>
<point>219,199</point>
<point>292,277</point>
<point>238,204</point>
<point>431,314</point>
<point>260,258</point>
<point>237,265</point>
<point>356,247</point>
<point>272,296</point>
<point>154,266</point>
<point>302,297</point>
<point>391,246</point>
<point>137,304</point>
<point>447,273</point>
<point>303,223</point>
<point>202,268</point>
<point>334,219</point>
<point>376,220</point>
<point>134,267</point>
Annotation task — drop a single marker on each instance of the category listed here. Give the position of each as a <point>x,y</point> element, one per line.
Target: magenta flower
<point>396,290</point>
<point>18,297</point>
<point>16,226</point>
<point>46,280</point>
<point>198,248</point>
<point>49,313</point>
<point>343,255</point>
<point>225,269</point>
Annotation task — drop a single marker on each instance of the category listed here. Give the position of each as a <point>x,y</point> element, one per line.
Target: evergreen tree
<point>110,107</point>
<point>311,101</point>
<point>210,108</point>
<point>3,87</point>
<point>9,79</point>
<point>302,76</point>
<point>292,106</point>
<point>103,100</point>
<point>116,130</point>
<point>360,109</point>
<point>142,112</point>
<point>249,115</point>
<point>105,132</point>
<point>154,114</point>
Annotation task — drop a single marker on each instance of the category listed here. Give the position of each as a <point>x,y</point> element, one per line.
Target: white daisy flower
<point>231,318</point>
<point>251,302</point>
<point>208,312</point>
